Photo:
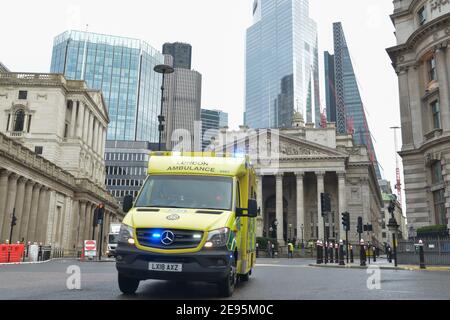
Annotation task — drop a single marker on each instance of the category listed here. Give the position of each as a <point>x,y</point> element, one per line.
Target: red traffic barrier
<point>16,253</point>
<point>4,248</point>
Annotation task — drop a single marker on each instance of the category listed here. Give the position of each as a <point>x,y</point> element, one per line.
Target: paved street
<point>272,279</point>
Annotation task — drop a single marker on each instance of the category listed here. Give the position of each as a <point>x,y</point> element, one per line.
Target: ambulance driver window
<point>190,192</point>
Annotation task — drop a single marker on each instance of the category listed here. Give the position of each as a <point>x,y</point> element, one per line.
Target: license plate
<point>166,267</point>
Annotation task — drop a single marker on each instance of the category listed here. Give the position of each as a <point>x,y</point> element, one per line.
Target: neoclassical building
<point>421,60</point>
<point>52,172</point>
<point>312,161</point>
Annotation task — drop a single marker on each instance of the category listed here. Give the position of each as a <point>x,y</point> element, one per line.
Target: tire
<point>128,286</point>
<point>227,285</point>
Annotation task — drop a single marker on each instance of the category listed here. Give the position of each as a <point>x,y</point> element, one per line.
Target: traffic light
<point>325,201</point>
<point>346,221</point>
<point>360,225</point>
<point>99,213</point>
<point>14,220</point>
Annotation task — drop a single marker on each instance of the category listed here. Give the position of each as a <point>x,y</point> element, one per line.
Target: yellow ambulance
<point>193,220</point>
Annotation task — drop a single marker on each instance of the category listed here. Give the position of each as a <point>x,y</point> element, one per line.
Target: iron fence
<point>436,250</point>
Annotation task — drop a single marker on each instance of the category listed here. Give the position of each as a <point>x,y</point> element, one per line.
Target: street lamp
<point>163,69</point>
<point>393,227</point>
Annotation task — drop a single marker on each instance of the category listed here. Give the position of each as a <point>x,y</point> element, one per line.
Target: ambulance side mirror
<point>252,208</point>
<point>127,203</point>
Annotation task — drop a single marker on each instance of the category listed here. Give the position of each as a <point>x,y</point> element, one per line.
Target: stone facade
<point>313,161</point>
<point>61,117</point>
<point>52,170</point>
<point>422,62</point>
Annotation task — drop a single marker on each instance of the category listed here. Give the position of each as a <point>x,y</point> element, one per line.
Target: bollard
<point>421,255</point>
<point>325,251</point>
<point>368,251</point>
<point>330,252</point>
<point>374,254</point>
<point>319,252</point>
<point>341,253</point>
<point>389,254</point>
<point>352,260</point>
<point>362,254</point>
<point>336,253</point>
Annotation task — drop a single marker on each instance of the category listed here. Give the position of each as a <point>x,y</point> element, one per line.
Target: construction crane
<point>398,186</point>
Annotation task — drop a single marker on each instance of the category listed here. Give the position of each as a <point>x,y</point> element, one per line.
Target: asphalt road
<point>272,280</point>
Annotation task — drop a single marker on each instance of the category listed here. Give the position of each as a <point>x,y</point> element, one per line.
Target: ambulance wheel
<point>227,285</point>
<point>128,286</point>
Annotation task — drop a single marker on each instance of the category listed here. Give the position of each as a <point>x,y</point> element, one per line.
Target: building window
<point>23,95</point>
<point>439,207</point>
<point>436,173</point>
<point>436,111</point>
<point>422,15</point>
<point>38,150</point>
<point>19,118</point>
<point>432,75</point>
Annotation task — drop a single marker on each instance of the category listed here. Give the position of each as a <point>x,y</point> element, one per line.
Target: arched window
<point>19,119</point>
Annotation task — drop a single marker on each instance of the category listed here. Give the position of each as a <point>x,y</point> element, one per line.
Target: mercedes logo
<point>167,238</point>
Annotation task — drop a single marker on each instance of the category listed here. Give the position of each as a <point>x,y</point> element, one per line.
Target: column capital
<point>279,176</point>
<point>14,176</point>
<point>31,183</point>
<point>300,174</point>
<point>320,174</point>
<point>341,174</point>
<point>22,180</point>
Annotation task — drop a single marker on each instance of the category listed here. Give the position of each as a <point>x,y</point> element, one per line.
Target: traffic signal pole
<point>13,223</point>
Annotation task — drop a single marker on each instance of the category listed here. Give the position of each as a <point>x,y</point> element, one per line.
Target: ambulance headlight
<point>126,234</point>
<point>217,238</point>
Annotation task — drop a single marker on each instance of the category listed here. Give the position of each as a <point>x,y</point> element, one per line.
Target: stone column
<point>279,207</point>
<point>444,101</point>
<point>90,130</point>
<point>4,176</point>
<point>42,215</point>
<point>259,192</point>
<point>99,138</point>
<point>80,230</point>
<point>85,125</point>
<point>74,224</point>
<point>73,120</point>
<point>23,225</point>
<point>20,194</point>
<point>80,120</point>
<point>94,136</point>
<point>10,203</point>
<point>300,205</point>
<point>320,190</point>
<point>342,202</point>
<point>31,229</point>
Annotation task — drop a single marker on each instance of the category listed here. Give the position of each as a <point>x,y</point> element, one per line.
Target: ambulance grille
<point>183,239</point>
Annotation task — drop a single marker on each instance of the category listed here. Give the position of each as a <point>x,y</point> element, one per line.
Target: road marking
<point>281,265</point>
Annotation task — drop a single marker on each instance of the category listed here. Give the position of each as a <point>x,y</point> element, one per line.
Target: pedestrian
<point>290,250</point>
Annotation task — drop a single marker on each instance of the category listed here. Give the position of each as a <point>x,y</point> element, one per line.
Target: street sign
<point>90,248</point>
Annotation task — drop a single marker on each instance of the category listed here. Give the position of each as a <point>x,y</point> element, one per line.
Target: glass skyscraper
<point>282,70</point>
<point>123,69</point>
<point>343,95</point>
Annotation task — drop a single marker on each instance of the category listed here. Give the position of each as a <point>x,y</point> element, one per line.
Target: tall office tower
<point>282,70</point>
<point>3,68</point>
<point>212,121</point>
<point>182,105</point>
<point>123,69</point>
<point>181,53</point>
<point>350,114</point>
<point>330,90</point>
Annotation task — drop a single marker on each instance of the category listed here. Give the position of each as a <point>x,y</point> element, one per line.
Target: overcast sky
<point>216,30</point>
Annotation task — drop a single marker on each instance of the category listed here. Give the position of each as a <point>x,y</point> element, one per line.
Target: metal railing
<point>436,251</point>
